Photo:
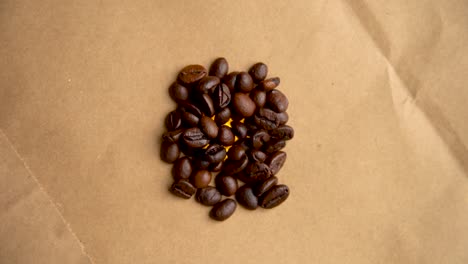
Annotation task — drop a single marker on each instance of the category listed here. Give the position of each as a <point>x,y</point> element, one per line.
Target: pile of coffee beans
<point>232,125</point>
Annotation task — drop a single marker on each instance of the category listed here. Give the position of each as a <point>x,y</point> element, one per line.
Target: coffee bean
<point>283,132</point>
<point>225,136</point>
<point>257,156</point>
<point>239,129</point>
<point>230,80</point>
<point>223,210</point>
<point>182,168</point>
<point>249,122</point>
<point>216,167</point>
<point>221,96</point>
<point>265,185</point>
<point>215,153</point>
<point>195,138</point>
<point>282,118</point>
<point>276,161</point>
<point>219,68</point>
<point>201,178</point>
<point>208,196</point>
<point>191,108</point>
<point>183,188</point>
<point>206,104</point>
<point>188,151</point>
<point>223,116</point>
<point>277,101</point>
<point>244,82</point>
<point>209,127</point>
<point>246,197</point>
<point>173,121</point>
<point>259,72</point>
<point>267,119</point>
<point>257,171</point>
<point>178,92</point>
<point>269,84</point>
<point>243,105</point>
<point>226,184</point>
<point>201,164</point>
<point>275,196</point>
<point>173,136</point>
<point>245,143</point>
<point>259,98</point>
<point>189,118</point>
<point>235,166</point>
<point>192,73</point>
<point>207,84</point>
<point>236,152</point>
<point>169,151</point>
<point>274,146</point>
<point>259,138</point>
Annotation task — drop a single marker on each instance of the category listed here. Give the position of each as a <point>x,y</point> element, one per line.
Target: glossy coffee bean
<point>223,116</point>
<point>169,151</point>
<point>192,73</point>
<point>219,68</point>
<point>183,188</point>
<point>269,84</point>
<point>178,92</point>
<point>173,136</point>
<point>223,210</point>
<point>243,105</point>
<point>246,197</point>
<point>236,152</point>
<point>259,72</point>
<point>283,132</point>
<point>276,161</point>
<point>235,166</point>
<point>209,127</point>
<point>239,129</point>
<point>260,138</point>
<point>274,145</point>
<point>257,171</point>
<point>244,83</point>
<point>265,185</point>
<point>194,138</point>
<point>207,84</point>
<point>225,136</point>
<point>257,156</point>
<point>230,81</point>
<point>182,168</point>
<point>275,196</point>
<point>201,164</point>
<point>214,153</point>
<point>226,184</point>
<point>191,108</point>
<point>259,98</point>
<point>206,104</point>
<point>208,196</point>
<point>277,101</point>
<point>268,119</point>
<point>283,118</point>
<point>221,96</point>
<point>201,178</point>
<point>190,119</point>
<point>173,121</point>
<point>216,167</point>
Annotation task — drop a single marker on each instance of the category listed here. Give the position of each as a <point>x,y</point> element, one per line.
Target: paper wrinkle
<point>41,189</point>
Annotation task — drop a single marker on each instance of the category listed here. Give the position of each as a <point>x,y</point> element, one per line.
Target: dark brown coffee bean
<point>201,164</point>
<point>223,210</point>
<point>277,101</point>
<point>173,121</point>
<point>257,171</point>
<point>236,152</point>
<point>192,73</point>
<point>201,178</point>
<point>214,153</point>
<point>239,129</point>
<point>243,105</point>
<point>257,156</point>
<point>209,127</point>
<point>274,146</point>
<point>259,98</point>
<point>221,96</point>
<point>275,196</point>
<point>216,167</point>
<point>245,143</point>
<point>208,83</point>
<point>246,197</point>
<point>182,168</point>
<point>226,184</point>
<point>183,188</point>
<point>230,81</point>
<point>223,116</point>
<point>191,108</point>
<point>234,166</point>
<point>219,68</point>
<point>269,84</point>
<point>283,118</point>
<point>188,151</point>
<point>259,72</point>
<point>206,104</point>
<point>244,82</point>
<point>195,138</point>
<point>190,119</point>
<point>208,196</point>
<point>260,138</point>
<point>169,151</point>
<point>283,132</point>
<point>265,185</point>
<point>225,136</point>
<point>276,161</point>
<point>268,119</point>
<point>178,92</point>
<point>173,136</point>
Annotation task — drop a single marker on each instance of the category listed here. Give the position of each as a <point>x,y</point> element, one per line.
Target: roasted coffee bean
<point>190,119</point>
<point>245,143</point>
<point>283,132</point>
<point>259,98</point>
<point>226,184</point>
<point>257,171</point>
<point>209,127</point>
<point>269,84</point>
<point>206,104</point>
<point>208,196</point>
<point>173,121</point>
<point>239,129</point>
<point>214,153</point>
<point>169,151</point>
<point>283,118</point>
<point>195,138</point>
<point>268,119</point>
<point>243,105</point>
<point>223,116</point>
<point>225,136</point>
<point>173,136</point>
<point>259,138</point>
<point>277,101</point>
<point>192,73</point>
<point>257,156</point>
<point>259,72</point>
<point>178,92</point>
<point>265,185</point>
<point>236,152</point>
<point>183,188</point>
<point>230,80</point>
<point>188,151</point>
<point>246,197</point>
<point>182,168</point>
<point>223,210</point>
<point>221,96</point>
<point>208,83</point>
<point>201,178</point>
<point>244,83</point>
<point>276,161</point>
<point>201,164</point>
<point>216,167</point>
<point>235,166</point>
<point>274,146</point>
<point>219,68</point>
<point>275,196</point>
<point>191,108</point>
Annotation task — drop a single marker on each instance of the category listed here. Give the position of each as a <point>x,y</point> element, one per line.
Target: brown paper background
<point>378,168</point>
